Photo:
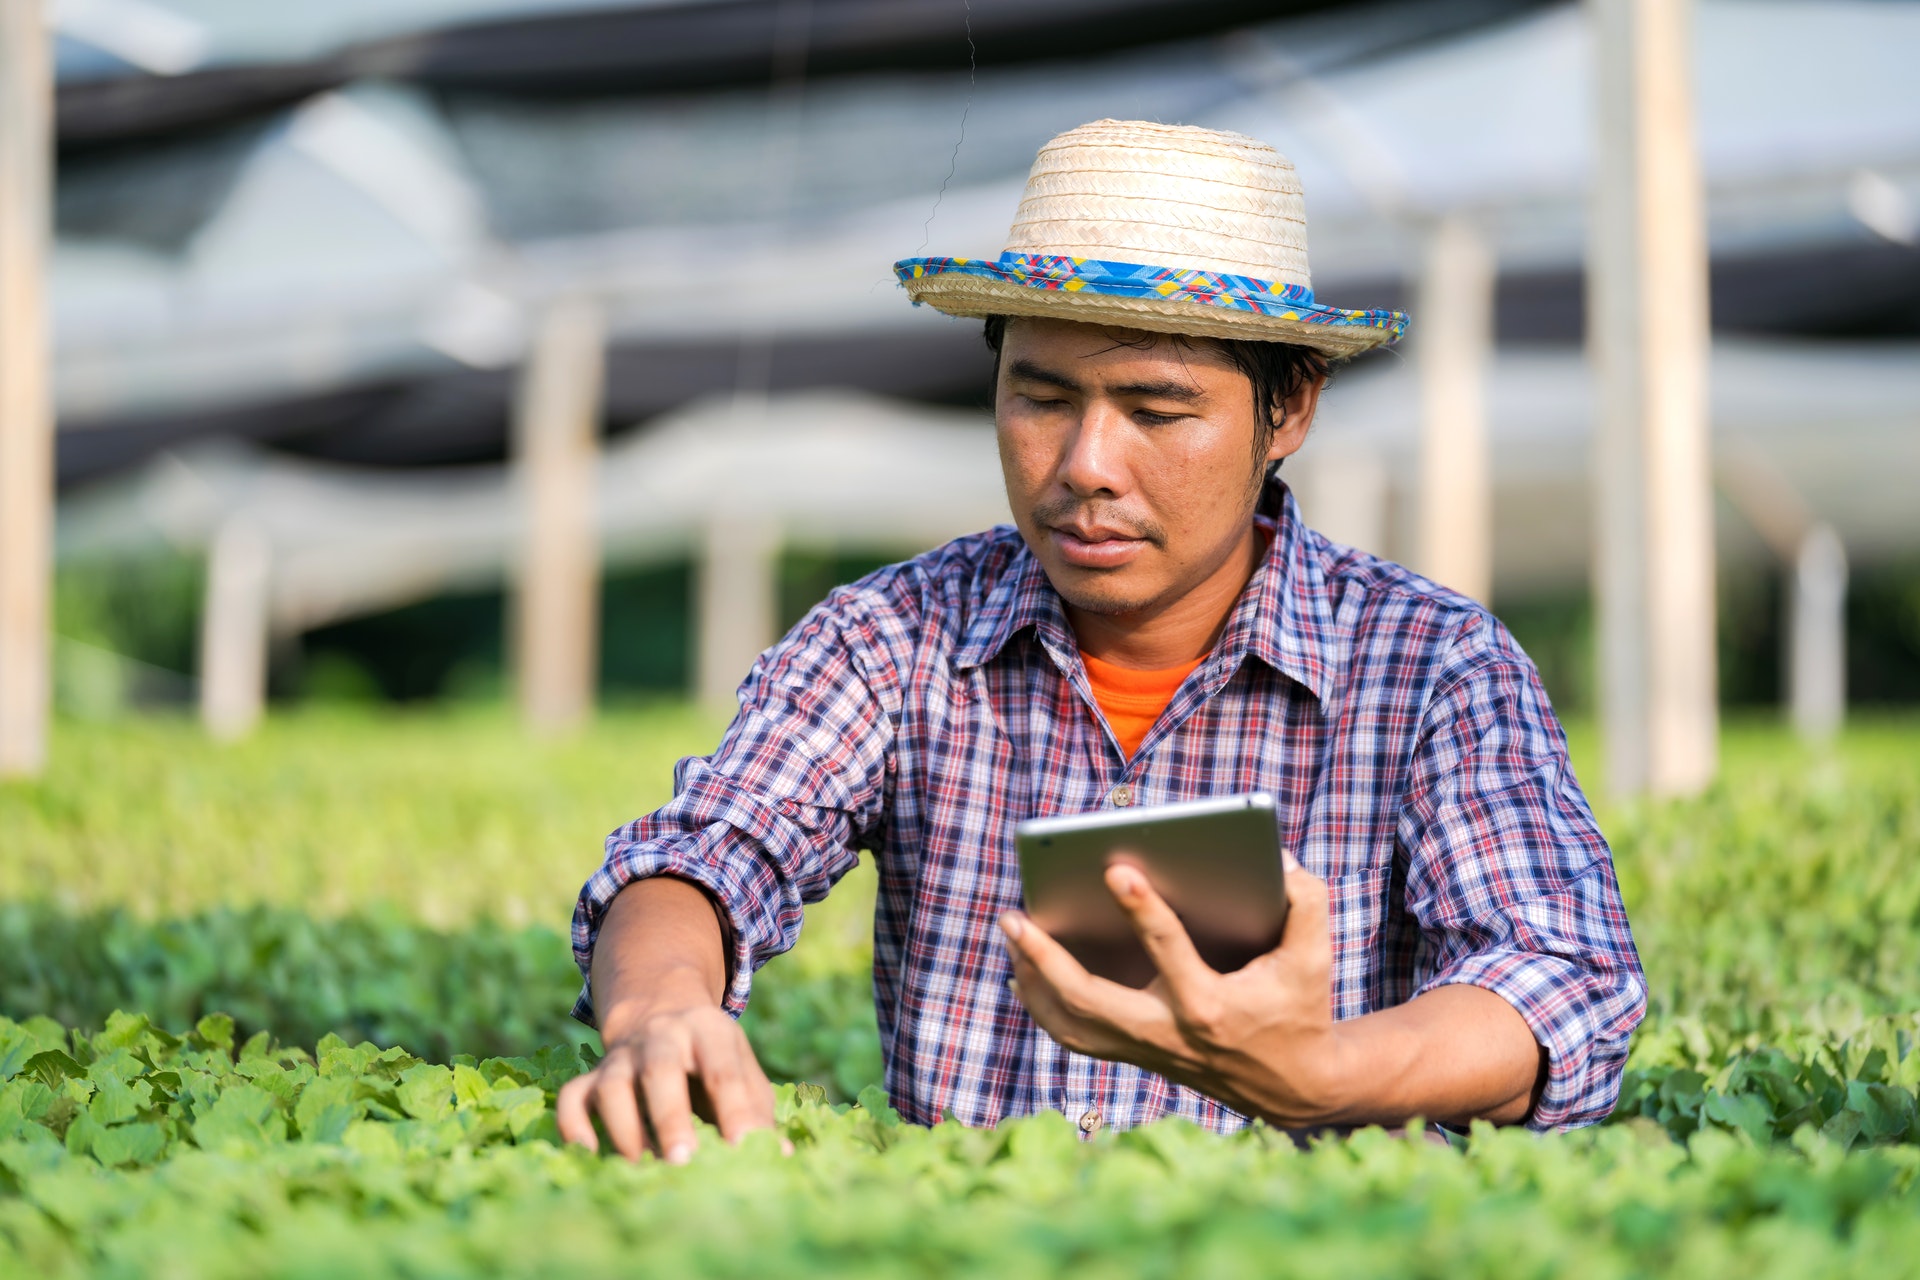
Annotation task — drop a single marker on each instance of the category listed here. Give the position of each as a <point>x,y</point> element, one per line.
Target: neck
<point>1174,631</point>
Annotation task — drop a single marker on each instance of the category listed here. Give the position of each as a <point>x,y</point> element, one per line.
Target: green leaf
<point>1873,1068</point>
<point>873,1099</point>
<point>215,1031</point>
<point>326,1107</point>
<point>269,1075</point>
<point>54,1068</point>
<point>1683,1088</point>
<point>243,1120</point>
<point>123,1031</point>
<point>15,1057</point>
<point>522,1107</point>
<point>1843,1128</point>
<point>1886,1111</point>
<point>115,1102</point>
<point>81,1133</point>
<point>30,1096</point>
<point>426,1092</point>
<point>337,1058</point>
<point>470,1088</point>
<point>117,1064</point>
<point>1748,1113</point>
<point>373,1140</point>
<point>329,1124</point>
<point>141,1143</point>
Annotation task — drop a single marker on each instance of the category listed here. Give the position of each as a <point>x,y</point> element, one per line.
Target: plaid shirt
<point>923,711</point>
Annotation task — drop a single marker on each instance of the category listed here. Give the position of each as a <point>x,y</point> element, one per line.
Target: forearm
<point>659,972</point>
<point>660,946</point>
<point>1455,1054</point>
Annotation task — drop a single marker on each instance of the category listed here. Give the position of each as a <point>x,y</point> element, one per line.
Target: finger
<point>663,1082</point>
<point>758,1089</point>
<point>1116,1022</point>
<point>737,1108</point>
<point>1042,1003</point>
<point>1037,996</point>
<point>1050,970</point>
<point>1160,931</point>
<point>571,1116</point>
<point>619,1109</point>
<point>1307,907</point>
<point>1028,943</point>
<point>764,1087</point>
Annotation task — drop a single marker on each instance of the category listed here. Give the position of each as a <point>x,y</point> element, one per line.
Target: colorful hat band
<point>1130,280</point>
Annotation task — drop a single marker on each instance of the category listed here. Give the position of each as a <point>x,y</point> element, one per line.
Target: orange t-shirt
<point>1133,700</point>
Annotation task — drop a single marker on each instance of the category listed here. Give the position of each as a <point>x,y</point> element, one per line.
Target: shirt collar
<point>1022,598</point>
<point>1285,617</point>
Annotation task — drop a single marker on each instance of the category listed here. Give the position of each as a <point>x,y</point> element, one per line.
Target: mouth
<point>1095,546</point>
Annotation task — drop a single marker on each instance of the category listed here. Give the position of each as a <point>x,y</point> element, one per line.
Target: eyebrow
<point>1028,371</point>
<point>1159,391</point>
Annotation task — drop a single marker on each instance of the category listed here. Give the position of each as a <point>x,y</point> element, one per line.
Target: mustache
<point>1068,511</point>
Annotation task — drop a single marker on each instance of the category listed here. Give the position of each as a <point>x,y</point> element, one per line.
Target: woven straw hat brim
<point>976,288</point>
<point>1169,228</point>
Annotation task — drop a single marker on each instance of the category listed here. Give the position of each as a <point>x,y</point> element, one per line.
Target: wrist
<point>1339,1093</point>
<point>680,989</point>
<point>1368,1065</point>
<point>1321,1083</point>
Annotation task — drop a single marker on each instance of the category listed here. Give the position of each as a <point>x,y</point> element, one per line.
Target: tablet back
<point>1216,862</point>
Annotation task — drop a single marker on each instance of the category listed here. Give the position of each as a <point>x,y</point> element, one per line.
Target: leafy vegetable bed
<point>1768,1125</point>
<point>383,978</point>
<point>139,1152</point>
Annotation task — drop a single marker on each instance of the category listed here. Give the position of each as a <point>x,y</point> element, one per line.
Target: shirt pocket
<point>1357,912</point>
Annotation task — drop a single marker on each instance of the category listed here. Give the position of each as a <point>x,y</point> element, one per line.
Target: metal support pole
<point>736,602</point>
<point>557,440</point>
<point>26,401</point>
<point>1647,333</point>
<point>1817,635</point>
<point>233,630</point>
<point>1452,347</point>
<point>1814,657</point>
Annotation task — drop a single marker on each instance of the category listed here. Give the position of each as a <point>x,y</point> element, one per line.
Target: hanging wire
<point>953,161</point>
<point>786,96</point>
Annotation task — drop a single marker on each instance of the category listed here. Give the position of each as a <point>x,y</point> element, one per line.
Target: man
<point>1159,627</point>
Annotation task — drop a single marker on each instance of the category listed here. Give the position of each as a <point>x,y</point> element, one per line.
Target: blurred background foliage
<point>406,875</point>
<point>128,630</point>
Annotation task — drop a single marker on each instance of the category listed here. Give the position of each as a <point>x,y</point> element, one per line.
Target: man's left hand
<point>1261,1039</point>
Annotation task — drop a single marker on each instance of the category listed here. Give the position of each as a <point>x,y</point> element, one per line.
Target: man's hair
<point>1276,369</point>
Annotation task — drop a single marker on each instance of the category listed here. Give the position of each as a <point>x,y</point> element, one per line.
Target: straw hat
<point>1163,227</point>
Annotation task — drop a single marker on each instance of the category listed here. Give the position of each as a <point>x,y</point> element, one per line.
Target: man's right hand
<point>672,1052</point>
<point>673,1065</point>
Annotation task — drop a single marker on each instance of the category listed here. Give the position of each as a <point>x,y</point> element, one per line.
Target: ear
<point>1295,415</point>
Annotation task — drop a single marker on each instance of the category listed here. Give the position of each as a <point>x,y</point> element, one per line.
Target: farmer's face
<point>1130,459</point>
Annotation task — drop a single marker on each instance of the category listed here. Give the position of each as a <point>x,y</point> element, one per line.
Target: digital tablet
<point>1217,863</point>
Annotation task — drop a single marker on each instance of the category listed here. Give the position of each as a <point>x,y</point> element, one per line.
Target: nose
<point>1093,462</point>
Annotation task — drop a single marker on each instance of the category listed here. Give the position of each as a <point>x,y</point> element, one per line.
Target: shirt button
<point>1122,796</point>
<point>1090,1120</point>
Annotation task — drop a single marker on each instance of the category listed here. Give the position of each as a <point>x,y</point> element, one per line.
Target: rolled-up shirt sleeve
<point>778,812</point>
<point>1509,880</point>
